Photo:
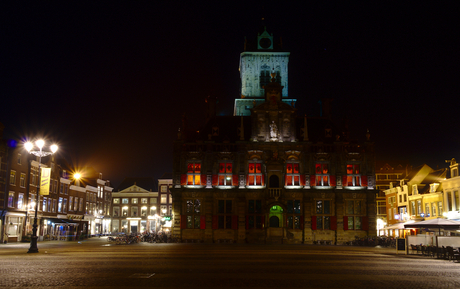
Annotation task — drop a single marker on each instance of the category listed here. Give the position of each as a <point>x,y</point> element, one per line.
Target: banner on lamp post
<point>45,181</point>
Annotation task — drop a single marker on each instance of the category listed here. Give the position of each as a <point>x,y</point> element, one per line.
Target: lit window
<point>134,201</point>
<point>13,178</point>
<point>125,201</point>
<point>322,174</point>
<point>20,201</point>
<point>116,211</point>
<point>353,176</point>
<point>292,174</point>
<point>323,212</point>
<point>116,200</point>
<point>193,174</point>
<point>60,205</point>
<point>255,174</point>
<point>11,199</point>
<point>22,181</point>
<point>225,174</point>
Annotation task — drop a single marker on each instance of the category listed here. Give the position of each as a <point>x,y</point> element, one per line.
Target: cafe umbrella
<point>438,223</point>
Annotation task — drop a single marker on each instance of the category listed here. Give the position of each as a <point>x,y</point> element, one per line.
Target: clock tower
<point>258,64</point>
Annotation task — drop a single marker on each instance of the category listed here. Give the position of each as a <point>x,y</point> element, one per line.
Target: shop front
<point>14,226</point>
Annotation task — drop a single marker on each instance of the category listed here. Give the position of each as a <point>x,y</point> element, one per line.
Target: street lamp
<point>39,153</point>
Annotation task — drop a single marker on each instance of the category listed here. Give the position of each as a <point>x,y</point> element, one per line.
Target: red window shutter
<point>312,180</point>
<point>286,180</point>
<point>365,222</point>
<point>345,222</point>
<point>235,222</point>
<point>313,222</point>
<point>333,182</point>
<point>202,222</point>
<point>235,180</point>
<point>302,221</point>
<point>247,180</point>
<point>364,181</point>
<point>263,180</point>
<point>215,222</point>
<point>183,180</point>
<point>183,221</point>
<point>215,180</point>
<point>344,181</point>
<point>302,180</point>
<point>247,222</point>
<point>203,180</point>
<point>334,223</point>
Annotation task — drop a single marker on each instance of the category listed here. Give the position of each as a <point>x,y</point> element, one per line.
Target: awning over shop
<point>61,221</point>
<point>398,226</point>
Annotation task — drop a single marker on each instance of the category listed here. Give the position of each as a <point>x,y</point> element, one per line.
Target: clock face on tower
<point>265,43</point>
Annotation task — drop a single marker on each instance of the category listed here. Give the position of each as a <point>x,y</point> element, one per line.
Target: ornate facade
<point>273,177</point>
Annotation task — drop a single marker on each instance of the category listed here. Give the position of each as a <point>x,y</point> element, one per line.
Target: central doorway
<point>276,217</point>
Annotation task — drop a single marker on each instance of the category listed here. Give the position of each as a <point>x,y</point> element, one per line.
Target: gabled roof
<point>147,184</point>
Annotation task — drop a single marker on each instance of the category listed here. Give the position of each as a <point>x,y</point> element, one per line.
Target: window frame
<point>322,179</point>
<point>193,211</point>
<point>353,175</point>
<point>225,175</point>
<point>193,173</point>
<point>292,174</point>
<point>256,173</point>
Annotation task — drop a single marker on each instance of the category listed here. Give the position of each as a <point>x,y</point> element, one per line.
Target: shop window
<point>194,174</point>
<point>322,174</point>
<point>225,174</point>
<point>193,212</point>
<point>254,174</point>
<point>292,174</point>
<point>353,176</point>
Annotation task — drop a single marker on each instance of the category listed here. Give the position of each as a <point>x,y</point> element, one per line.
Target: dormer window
<point>433,187</point>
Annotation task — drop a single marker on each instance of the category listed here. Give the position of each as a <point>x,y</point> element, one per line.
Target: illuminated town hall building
<point>267,175</point>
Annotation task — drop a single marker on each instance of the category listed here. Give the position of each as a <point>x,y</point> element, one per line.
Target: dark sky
<point>110,80</point>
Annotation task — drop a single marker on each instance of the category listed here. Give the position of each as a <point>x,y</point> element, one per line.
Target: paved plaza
<point>96,264</point>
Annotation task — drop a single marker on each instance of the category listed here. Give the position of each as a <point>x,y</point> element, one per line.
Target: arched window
<point>274,181</point>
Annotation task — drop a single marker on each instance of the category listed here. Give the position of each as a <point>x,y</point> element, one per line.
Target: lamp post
<point>39,153</point>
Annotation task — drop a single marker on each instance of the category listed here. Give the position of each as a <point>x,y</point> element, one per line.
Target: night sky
<point>110,80</point>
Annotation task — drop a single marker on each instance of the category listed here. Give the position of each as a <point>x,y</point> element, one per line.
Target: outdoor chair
<point>452,254</point>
